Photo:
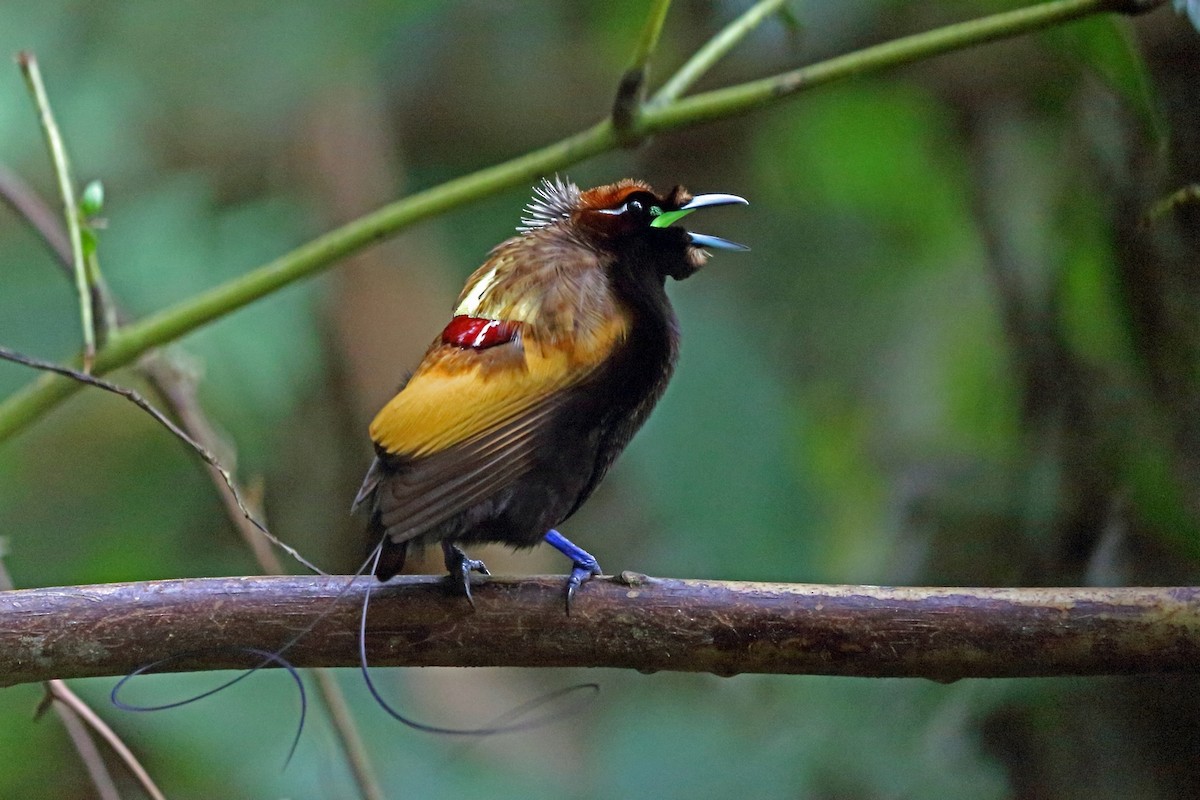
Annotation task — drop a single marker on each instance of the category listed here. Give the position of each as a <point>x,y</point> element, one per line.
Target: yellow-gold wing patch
<point>469,423</point>
<point>459,394</point>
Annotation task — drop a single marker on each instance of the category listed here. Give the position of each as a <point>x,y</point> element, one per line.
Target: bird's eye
<point>634,209</point>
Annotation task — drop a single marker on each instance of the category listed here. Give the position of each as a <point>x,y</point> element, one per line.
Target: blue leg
<point>583,563</point>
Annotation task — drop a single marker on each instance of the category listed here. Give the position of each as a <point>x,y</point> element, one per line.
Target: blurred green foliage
<point>953,356</point>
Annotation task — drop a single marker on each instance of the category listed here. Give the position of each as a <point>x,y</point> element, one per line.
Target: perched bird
<point>560,345</point>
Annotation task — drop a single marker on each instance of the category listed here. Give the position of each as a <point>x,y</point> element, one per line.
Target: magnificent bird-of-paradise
<point>559,347</point>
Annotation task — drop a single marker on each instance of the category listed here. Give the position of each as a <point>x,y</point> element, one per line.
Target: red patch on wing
<point>478,333</point>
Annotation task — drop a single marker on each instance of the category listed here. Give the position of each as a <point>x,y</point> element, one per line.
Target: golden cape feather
<point>458,395</point>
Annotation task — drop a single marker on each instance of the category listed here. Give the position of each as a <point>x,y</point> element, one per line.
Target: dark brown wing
<point>416,495</point>
<point>468,424</point>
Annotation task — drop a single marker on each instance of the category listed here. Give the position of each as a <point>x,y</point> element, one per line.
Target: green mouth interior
<point>665,218</point>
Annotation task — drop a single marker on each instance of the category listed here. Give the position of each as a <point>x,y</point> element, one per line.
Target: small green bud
<point>91,202</point>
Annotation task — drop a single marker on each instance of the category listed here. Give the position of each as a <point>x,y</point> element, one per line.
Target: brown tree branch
<point>631,621</point>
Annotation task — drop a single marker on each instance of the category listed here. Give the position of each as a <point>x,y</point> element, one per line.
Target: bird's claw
<point>581,572</point>
<point>460,568</point>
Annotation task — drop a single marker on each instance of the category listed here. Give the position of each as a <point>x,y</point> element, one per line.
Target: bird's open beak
<point>702,201</point>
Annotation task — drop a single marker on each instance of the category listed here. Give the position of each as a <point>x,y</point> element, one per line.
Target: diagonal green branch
<point>36,399</point>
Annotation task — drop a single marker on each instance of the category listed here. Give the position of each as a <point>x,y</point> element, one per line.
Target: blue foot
<point>583,563</point>
<point>460,568</point>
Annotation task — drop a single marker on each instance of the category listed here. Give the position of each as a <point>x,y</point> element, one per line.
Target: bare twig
<point>176,385</point>
<point>632,622</point>
<point>353,747</point>
<point>66,187</point>
<point>89,754</point>
<point>135,398</point>
<point>1187,195</point>
<point>29,205</point>
<point>714,50</point>
<point>63,694</point>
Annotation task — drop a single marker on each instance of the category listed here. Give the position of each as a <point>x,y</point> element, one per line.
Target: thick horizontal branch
<point>631,621</point>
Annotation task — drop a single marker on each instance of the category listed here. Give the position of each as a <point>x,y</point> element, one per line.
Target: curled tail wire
<point>267,658</point>
<point>497,727</point>
<point>500,725</point>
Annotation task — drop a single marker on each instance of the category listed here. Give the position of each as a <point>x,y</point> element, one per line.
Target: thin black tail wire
<point>499,725</point>
<point>267,657</point>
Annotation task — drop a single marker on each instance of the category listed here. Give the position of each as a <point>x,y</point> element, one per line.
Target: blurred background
<point>955,355</point>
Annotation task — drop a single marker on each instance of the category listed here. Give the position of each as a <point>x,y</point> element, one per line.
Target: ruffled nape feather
<point>553,200</point>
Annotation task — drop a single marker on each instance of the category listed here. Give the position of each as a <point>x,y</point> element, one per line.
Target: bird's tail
<point>392,554</point>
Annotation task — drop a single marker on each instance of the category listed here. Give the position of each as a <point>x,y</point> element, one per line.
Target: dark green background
<point>951,358</point>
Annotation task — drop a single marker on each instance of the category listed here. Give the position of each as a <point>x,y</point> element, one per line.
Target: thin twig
<point>30,206</point>
<point>630,622</point>
<point>66,187</point>
<point>714,50</point>
<point>176,386</point>
<point>93,761</point>
<point>351,741</point>
<point>1187,195</point>
<point>135,398</point>
<point>63,694</point>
